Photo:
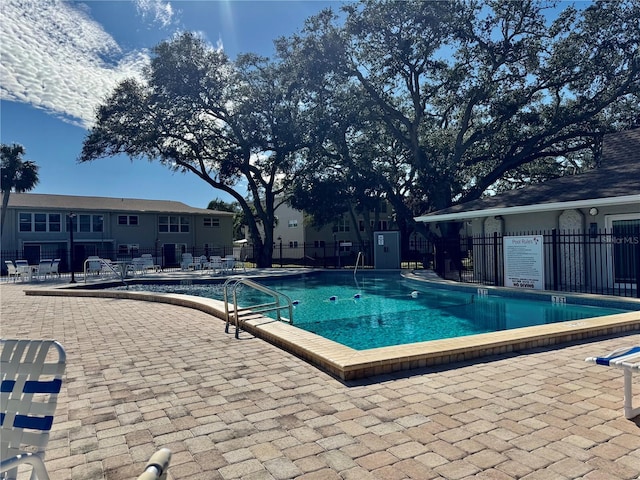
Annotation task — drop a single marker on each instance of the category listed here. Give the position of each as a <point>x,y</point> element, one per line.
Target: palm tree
<point>17,174</point>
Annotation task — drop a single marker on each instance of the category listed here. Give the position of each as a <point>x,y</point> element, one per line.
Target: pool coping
<point>349,364</point>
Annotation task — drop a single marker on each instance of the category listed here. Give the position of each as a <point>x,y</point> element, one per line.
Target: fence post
<point>637,238</point>
<point>554,256</point>
<point>495,259</point>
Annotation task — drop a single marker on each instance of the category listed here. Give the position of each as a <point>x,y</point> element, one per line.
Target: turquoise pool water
<point>368,311</point>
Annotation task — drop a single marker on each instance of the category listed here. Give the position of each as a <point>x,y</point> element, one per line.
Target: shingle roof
<point>618,175</point>
<point>78,203</point>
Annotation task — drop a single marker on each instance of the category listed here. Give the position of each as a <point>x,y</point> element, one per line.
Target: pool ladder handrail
<point>233,283</point>
<point>360,255</point>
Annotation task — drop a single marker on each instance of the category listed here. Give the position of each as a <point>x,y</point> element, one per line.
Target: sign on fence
<point>523,262</point>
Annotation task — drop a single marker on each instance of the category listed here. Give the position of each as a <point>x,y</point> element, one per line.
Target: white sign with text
<point>524,262</point>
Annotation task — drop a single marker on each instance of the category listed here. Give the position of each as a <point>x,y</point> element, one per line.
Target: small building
<point>339,242</point>
<point>38,226</point>
<point>590,223</point>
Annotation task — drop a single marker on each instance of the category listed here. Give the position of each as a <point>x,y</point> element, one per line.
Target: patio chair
<point>24,269</point>
<point>44,268</point>
<point>203,263</point>
<point>55,267</point>
<point>31,380</point>
<point>12,271</point>
<point>187,261</point>
<point>215,263</point>
<point>229,263</point>
<point>627,359</point>
<point>157,466</point>
<point>147,262</point>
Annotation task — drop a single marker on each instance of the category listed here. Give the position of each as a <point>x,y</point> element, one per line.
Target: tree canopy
<point>457,98</point>
<point>232,124</point>
<point>420,104</point>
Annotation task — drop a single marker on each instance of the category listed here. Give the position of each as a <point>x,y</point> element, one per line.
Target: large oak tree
<point>238,126</point>
<point>463,97</point>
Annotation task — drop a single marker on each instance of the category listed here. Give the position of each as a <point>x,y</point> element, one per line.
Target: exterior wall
<point>144,233</point>
<point>290,227</point>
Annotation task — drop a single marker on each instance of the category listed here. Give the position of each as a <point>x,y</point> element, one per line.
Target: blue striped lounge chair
<point>627,359</point>
<point>31,372</point>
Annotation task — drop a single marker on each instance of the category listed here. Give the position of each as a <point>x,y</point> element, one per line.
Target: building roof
<point>78,204</point>
<point>614,182</point>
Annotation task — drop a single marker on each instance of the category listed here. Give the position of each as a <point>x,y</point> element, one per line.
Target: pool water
<point>369,311</point>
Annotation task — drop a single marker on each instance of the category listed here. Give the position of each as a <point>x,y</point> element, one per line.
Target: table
<point>27,269</point>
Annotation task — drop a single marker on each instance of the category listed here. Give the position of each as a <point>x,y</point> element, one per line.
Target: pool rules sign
<point>523,262</point>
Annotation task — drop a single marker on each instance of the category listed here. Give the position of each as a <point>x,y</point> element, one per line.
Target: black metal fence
<point>598,262</point>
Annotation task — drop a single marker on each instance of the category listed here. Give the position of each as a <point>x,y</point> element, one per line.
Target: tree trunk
<point>5,204</point>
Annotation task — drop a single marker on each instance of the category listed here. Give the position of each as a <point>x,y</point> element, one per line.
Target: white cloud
<point>54,57</point>
<point>162,12</point>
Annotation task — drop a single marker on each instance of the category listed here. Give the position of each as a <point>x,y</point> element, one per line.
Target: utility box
<point>386,250</point>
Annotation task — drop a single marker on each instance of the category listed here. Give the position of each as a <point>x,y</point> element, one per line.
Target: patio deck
<point>146,375</point>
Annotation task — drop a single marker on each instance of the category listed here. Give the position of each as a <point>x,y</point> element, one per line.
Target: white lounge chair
<point>12,271</point>
<point>25,270</point>
<point>31,380</point>
<point>55,266</point>
<point>215,263</point>
<point>44,268</point>
<point>229,263</point>
<point>147,262</point>
<point>187,262</point>
<point>627,359</point>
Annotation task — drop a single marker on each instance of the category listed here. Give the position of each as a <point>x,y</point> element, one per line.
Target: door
<point>625,243</point>
<point>169,255</point>
<point>31,253</point>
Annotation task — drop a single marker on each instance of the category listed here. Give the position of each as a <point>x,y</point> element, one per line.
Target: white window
<point>343,225</point>
<point>127,219</point>
<point>293,223</point>
<point>88,223</point>
<point>40,222</point>
<point>211,222</point>
<point>173,224</point>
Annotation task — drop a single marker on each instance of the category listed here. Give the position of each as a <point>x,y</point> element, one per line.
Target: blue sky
<point>58,60</point>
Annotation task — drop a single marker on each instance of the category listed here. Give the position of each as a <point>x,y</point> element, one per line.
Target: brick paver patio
<point>141,376</point>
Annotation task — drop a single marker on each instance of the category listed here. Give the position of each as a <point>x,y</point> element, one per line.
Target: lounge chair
<point>229,263</point>
<point>187,262</point>
<point>12,271</point>
<point>215,263</point>
<point>54,267</point>
<point>44,268</point>
<point>31,380</point>
<point>25,270</point>
<point>627,359</point>
<point>157,466</point>
<point>147,263</point>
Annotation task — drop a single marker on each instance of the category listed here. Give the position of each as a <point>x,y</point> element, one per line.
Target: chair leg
<point>11,465</point>
<point>629,411</point>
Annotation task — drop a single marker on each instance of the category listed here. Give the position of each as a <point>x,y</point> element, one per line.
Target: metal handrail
<point>234,282</point>
<point>102,263</point>
<point>360,255</point>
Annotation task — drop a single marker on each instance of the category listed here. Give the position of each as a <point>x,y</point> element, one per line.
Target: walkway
<point>142,376</point>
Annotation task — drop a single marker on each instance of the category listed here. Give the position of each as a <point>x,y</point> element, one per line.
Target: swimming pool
<point>378,310</point>
<point>348,363</point>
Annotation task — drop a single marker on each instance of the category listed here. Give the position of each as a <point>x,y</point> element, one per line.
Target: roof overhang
<point>536,208</point>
